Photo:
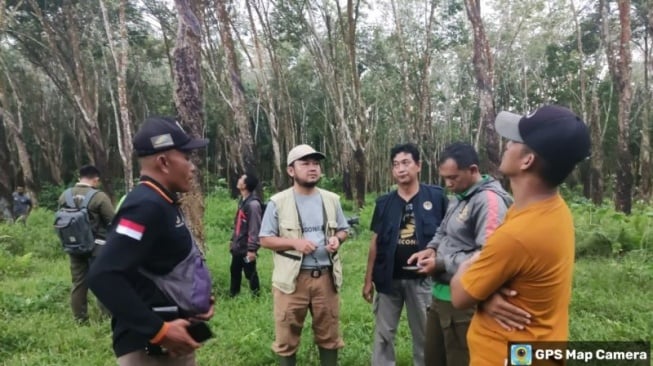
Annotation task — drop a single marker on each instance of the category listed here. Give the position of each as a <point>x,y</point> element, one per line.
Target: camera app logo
<point>521,354</point>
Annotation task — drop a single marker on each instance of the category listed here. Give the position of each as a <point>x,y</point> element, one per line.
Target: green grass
<point>611,300</point>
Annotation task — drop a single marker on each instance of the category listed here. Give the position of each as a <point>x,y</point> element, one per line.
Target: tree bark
<point>120,60</point>
<point>188,100</point>
<point>484,70</point>
<point>360,124</point>
<point>619,64</point>
<point>645,173</point>
<point>83,91</point>
<point>14,129</point>
<point>407,103</point>
<point>266,93</point>
<point>596,161</point>
<point>245,143</point>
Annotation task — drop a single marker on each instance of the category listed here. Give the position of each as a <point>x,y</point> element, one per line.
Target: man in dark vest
<point>404,221</point>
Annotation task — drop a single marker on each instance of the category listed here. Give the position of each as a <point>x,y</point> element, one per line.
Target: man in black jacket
<point>403,222</point>
<point>244,241</point>
<point>148,241</point>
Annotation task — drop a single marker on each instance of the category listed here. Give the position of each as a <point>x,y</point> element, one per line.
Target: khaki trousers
<point>317,295</point>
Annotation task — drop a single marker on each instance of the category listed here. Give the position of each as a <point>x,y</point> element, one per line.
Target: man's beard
<point>306,184</point>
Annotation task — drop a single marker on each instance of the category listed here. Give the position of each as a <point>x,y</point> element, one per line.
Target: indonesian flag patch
<point>130,229</point>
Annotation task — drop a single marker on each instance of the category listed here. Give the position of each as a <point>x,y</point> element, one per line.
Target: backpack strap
<point>68,196</point>
<point>87,198</point>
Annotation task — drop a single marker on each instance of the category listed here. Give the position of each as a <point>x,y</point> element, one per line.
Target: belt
<point>316,272</point>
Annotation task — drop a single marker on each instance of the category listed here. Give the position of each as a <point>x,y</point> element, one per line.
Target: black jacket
<point>247,225</point>
<point>430,205</point>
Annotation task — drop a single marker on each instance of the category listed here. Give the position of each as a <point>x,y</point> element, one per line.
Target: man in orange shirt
<point>532,253</point>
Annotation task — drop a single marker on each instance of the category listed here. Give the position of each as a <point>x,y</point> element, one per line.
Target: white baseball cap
<point>301,151</point>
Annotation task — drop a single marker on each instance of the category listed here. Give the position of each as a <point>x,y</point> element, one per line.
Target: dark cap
<point>555,133</point>
<point>159,134</point>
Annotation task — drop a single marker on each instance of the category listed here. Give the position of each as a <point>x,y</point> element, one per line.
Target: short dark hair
<point>462,153</point>
<point>89,171</point>
<point>251,182</point>
<point>552,175</point>
<point>408,148</point>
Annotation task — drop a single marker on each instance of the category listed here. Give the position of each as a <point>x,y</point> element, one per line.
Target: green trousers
<point>446,334</point>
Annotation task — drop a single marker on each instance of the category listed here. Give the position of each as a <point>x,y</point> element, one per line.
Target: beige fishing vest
<point>287,263</point>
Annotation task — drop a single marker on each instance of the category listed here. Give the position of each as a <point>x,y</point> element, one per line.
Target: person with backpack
<point>90,211</point>
<point>404,220</point>
<point>244,241</point>
<point>151,274</point>
<point>476,210</point>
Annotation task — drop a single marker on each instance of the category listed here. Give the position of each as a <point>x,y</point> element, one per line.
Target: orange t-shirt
<point>533,254</point>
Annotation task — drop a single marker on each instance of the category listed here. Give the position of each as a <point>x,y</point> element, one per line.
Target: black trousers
<point>238,265</point>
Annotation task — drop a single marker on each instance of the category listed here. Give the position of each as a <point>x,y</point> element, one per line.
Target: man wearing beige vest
<point>305,226</point>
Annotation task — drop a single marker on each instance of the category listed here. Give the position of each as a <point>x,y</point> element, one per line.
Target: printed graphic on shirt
<point>406,243</point>
<point>131,229</point>
<point>407,230</point>
<point>463,214</point>
<point>312,229</point>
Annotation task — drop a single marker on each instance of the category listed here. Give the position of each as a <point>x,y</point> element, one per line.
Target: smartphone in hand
<point>199,331</point>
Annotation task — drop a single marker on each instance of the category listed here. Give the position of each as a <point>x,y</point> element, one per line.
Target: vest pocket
<point>288,230</point>
<point>285,271</point>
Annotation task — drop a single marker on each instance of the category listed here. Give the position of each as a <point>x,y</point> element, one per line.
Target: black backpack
<point>73,225</point>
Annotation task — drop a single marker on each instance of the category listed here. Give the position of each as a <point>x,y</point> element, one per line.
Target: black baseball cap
<point>554,132</point>
<point>159,134</point>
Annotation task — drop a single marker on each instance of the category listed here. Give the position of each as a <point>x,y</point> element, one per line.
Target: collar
<point>484,179</point>
<point>80,184</point>
<point>161,190</point>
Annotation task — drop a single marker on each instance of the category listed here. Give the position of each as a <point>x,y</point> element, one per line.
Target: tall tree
<point>645,171</point>
<point>359,124</point>
<point>70,66</point>
<point>243,144</point>
<point>484,71</point>
<point>14,126</point>
<point>187,59</point>
<point>119,55</point>
<point>265,93</point>
<point>619,64</point>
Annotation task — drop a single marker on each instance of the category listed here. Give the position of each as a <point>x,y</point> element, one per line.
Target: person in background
<point>244,241</point>
<point>100,213</point>
<point>22,205</point>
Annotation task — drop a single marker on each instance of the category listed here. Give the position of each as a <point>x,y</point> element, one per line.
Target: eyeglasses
<point>404,163</point>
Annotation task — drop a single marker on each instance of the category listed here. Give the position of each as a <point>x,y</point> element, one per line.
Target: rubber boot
<point>328,357</point>
<point>288,360</point>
